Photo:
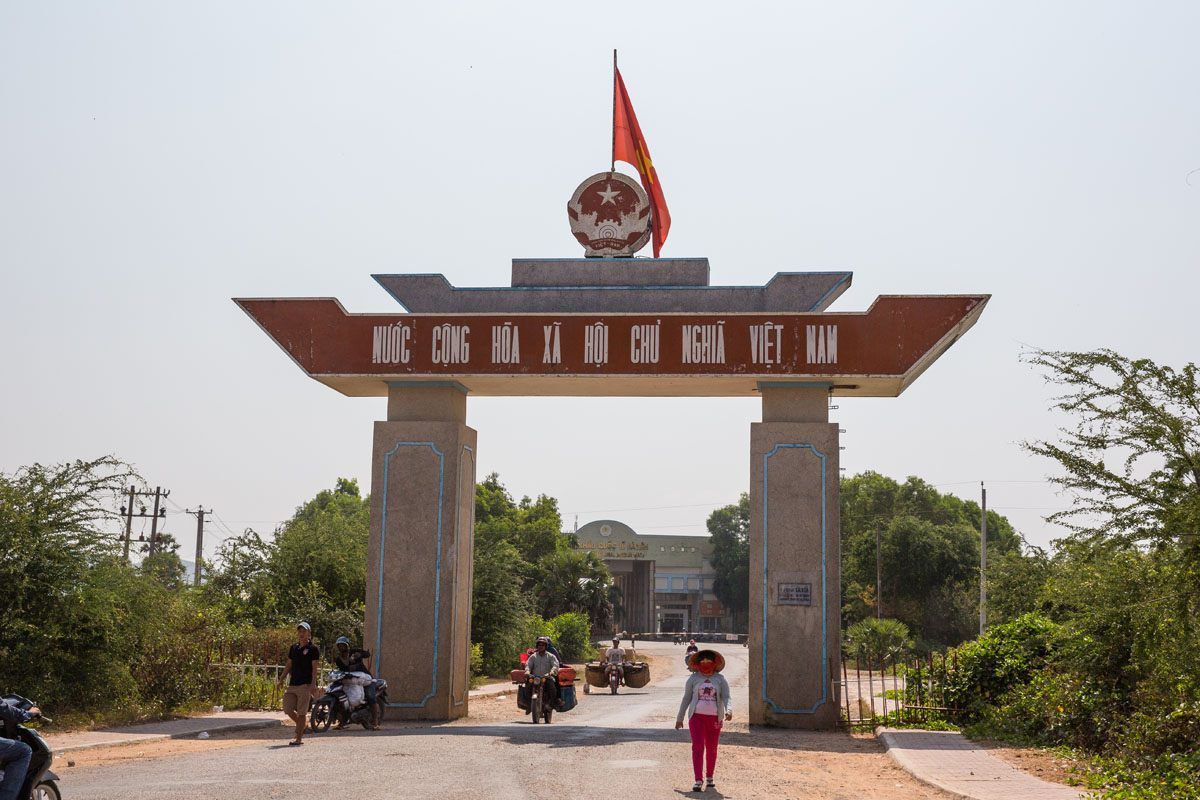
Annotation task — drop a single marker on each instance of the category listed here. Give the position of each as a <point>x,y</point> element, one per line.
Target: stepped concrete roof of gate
<point>611,539</point>
<point>616,285</point>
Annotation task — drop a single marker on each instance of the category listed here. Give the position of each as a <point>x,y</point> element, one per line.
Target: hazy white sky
<point>157,159</point>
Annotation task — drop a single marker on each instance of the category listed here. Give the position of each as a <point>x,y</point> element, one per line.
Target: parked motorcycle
<point>345,702</point>
<point>40,781</point>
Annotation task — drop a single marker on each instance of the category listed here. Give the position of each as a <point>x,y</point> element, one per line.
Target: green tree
<point>929,545</point>
<point>499,603</point>
<point>164,564</point>
<point>534,527</point>
<point>525,570</point>
<point>61,570</point>
<point>1128,582</point>
<point>240,580</point>
<point>571,580</point>
<point>324,543</point>
<point>729,527</point>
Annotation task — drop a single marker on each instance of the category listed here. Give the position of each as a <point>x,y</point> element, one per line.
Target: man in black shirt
<point>302,687</point>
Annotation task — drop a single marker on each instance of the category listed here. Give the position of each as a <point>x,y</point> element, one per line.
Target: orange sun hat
<point>695,658</point>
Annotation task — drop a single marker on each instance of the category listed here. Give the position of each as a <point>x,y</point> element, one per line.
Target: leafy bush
<point>875,640</point>
<point>1006,655</point>
<point>571,633</point>
<point>476,659</point>
<point>1056,708</point>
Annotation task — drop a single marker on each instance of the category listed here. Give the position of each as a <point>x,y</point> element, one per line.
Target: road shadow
<point>559,735</point>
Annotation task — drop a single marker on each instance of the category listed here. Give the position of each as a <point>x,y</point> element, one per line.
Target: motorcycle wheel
<point>535,708</point>
<point>321,716</point>
<point>46,790</point>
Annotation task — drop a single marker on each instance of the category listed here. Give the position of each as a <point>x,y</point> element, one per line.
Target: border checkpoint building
<point>666,582</point>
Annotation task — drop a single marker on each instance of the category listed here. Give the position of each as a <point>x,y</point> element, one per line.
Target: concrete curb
<point>888,743</point>
<point>1030,788</point>
<point>491,691</point>
<point>142,738</point>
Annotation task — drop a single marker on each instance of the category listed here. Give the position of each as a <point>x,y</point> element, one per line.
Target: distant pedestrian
<point>707,703</point>
<point>302,686</point>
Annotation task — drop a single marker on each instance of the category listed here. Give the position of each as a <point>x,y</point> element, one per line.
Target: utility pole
<point>878,570</point>
<point>982,558</point>
<point>128,512</point>
<point>199,515</point>
<point>158,496</point>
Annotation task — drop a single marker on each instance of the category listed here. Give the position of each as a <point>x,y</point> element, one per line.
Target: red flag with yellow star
<point>630,146</point>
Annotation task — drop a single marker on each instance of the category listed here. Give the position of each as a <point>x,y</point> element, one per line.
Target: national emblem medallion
<point>610,216</point>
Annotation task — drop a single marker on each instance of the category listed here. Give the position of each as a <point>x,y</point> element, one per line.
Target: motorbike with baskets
<point>345,702</point>
<point>541,696</point>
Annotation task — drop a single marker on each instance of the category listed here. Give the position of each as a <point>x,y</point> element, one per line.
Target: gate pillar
<point>418,614</point>
<point>795,558</point>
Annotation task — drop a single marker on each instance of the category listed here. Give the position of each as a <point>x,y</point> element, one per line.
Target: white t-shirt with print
<point>706,698</point>
<point>615,655</point>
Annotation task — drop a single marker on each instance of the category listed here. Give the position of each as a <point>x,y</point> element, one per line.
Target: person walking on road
<point>14,754</point>
<point>303,684</point>
<point>707,703</point>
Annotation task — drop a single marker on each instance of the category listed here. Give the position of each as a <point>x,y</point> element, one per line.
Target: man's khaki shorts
<point>296,699</point>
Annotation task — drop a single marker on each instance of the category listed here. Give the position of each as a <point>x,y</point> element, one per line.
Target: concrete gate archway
<point>610,327</point>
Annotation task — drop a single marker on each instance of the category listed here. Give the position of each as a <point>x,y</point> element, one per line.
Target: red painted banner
<point>891,339</point>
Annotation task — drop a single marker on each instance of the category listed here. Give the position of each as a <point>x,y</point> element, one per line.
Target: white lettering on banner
<point>450,345</point>
<point>644,343</point>
<point>389,344</point>
<point>822,344</point>
<point>552,354</point>
<point>506,344</point>
<point>766,343</point>
<point>595,344</point>
<point>704,344</point>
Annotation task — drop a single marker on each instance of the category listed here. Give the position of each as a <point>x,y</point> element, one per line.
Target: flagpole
<point>613,164</point>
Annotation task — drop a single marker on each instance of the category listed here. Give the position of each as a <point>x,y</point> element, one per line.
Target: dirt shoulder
<point>1048,765</point>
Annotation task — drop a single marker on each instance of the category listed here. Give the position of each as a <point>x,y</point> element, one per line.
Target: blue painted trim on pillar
<point>466,448</point>
<point>437,582</point>
<point>775,707</point>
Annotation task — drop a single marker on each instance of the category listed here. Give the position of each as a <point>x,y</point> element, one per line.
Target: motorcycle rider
<point>542,663</point>
<point>615,656</point>
<point>691,648</point>
<point>14,754</point>
<point>353,659</point>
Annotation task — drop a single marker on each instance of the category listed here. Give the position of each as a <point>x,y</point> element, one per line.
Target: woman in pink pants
<point>706,703</point>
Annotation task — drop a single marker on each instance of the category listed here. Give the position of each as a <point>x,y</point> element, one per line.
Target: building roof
<point>611,539</point>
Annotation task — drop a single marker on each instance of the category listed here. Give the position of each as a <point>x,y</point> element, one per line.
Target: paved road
<point>629,738</point>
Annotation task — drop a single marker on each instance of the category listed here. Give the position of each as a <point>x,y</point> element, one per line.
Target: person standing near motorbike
<point>541,664</point>
<point>14,755</point>
<point>615,656</point>
<point>353,659</point>
<point>707,702</point>
<point>302,670</point>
